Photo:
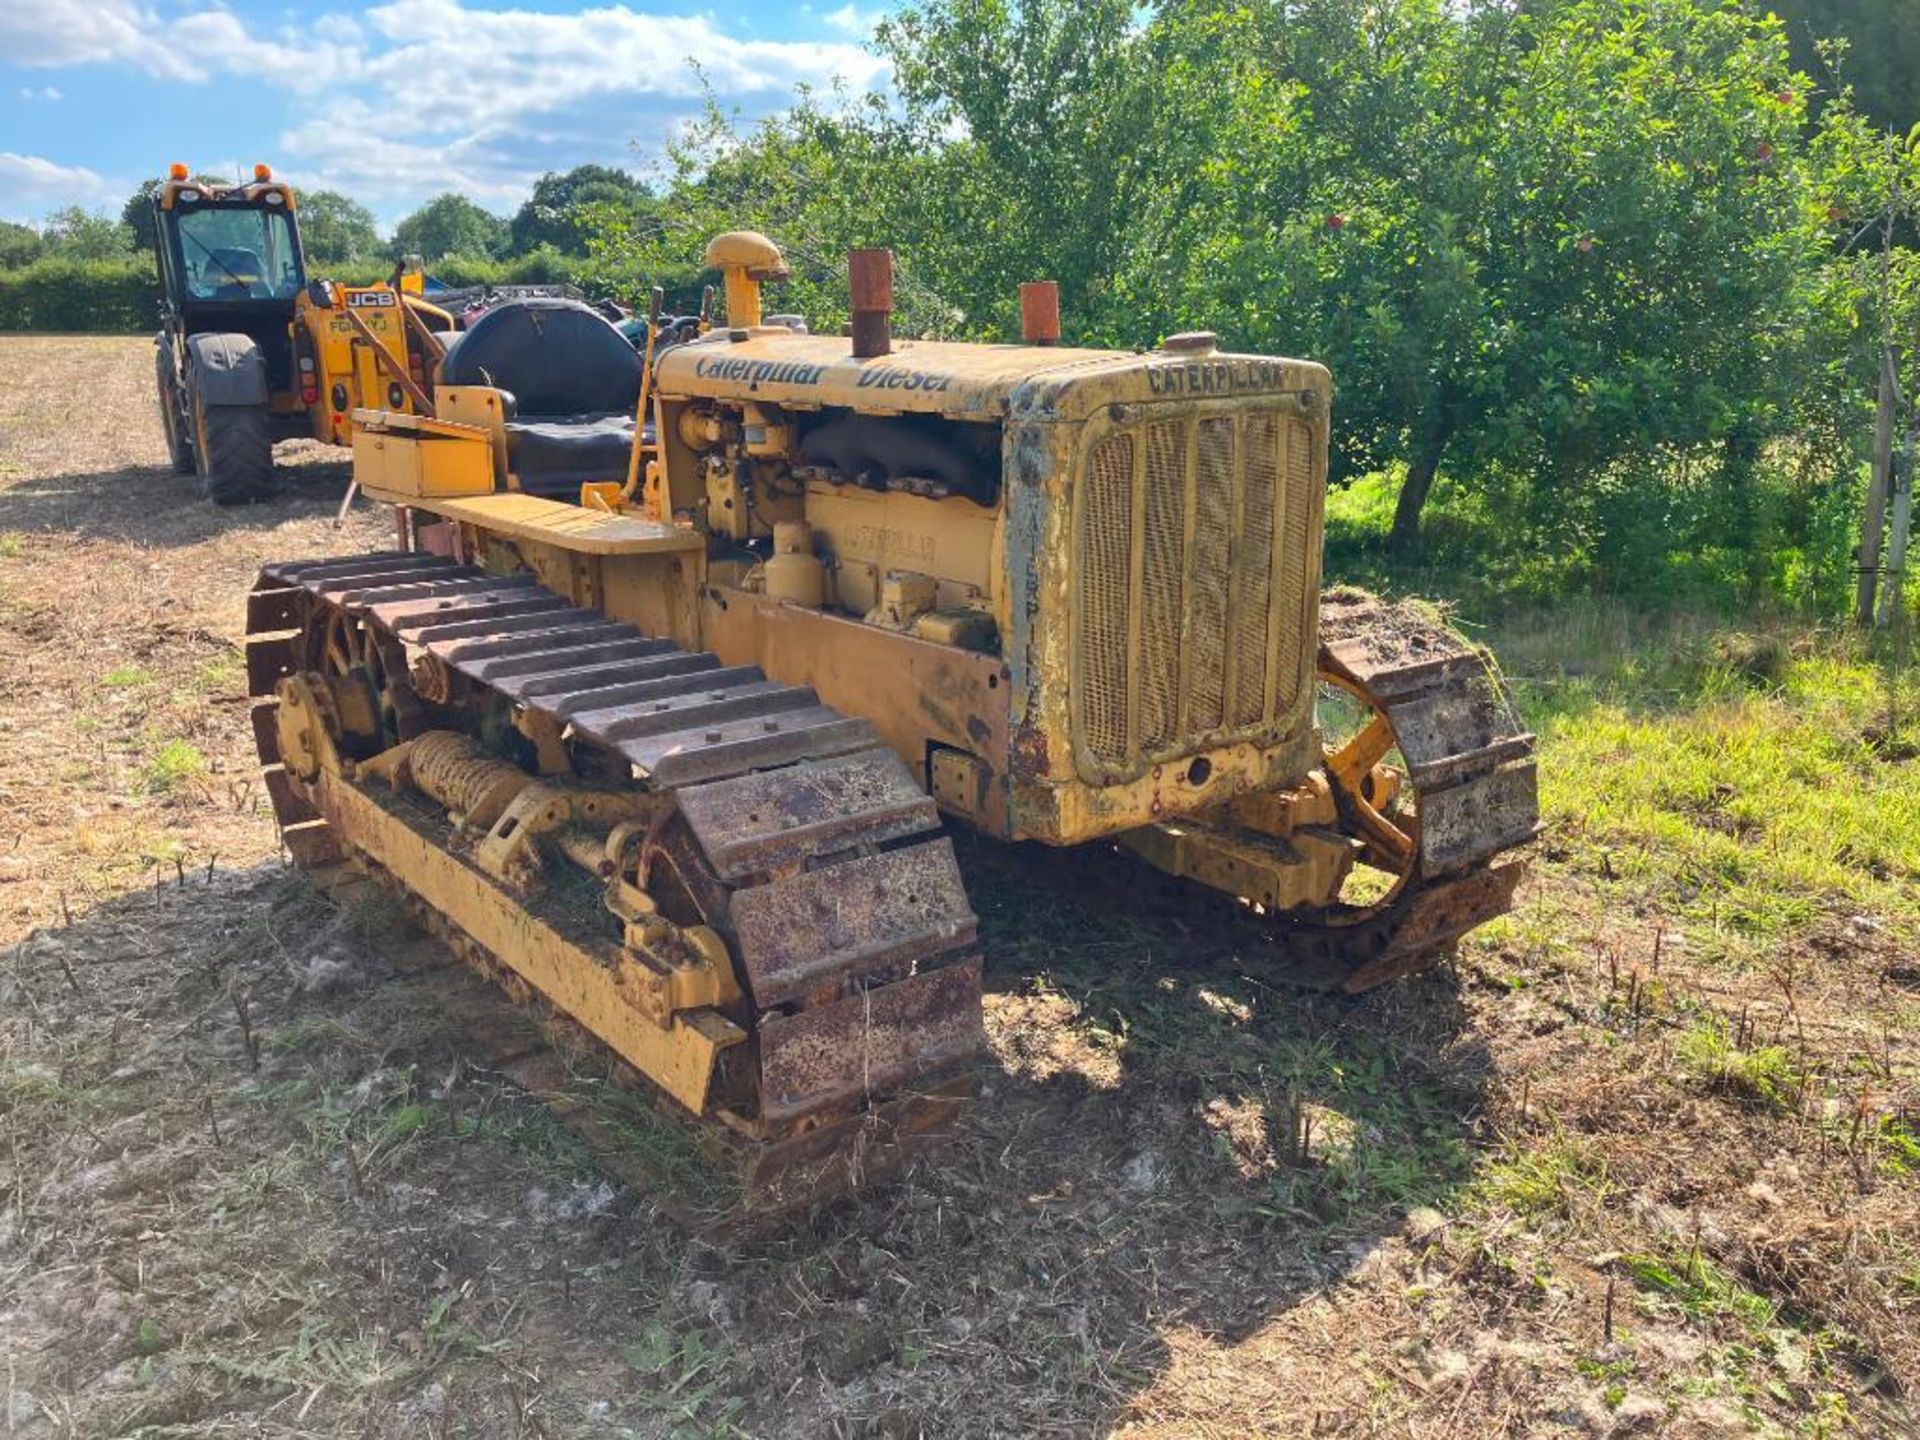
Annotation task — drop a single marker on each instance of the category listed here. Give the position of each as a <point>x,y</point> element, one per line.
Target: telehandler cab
<point>251,350</point>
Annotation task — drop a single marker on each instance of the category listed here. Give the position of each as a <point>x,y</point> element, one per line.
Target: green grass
<point>1541,1179</point>
<point>127,677</point>
<point>1694,1285</point>
<point>1707,1051</point>
<point>1899,1151</point>
<point>1749,807</point>
<point>1748,774</point>
<point>12,545</point>
<point>220,675</point>
<point>174,764</point>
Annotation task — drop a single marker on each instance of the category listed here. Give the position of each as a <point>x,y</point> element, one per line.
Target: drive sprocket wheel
<point>1433,776</point>
<point>1377,804</point>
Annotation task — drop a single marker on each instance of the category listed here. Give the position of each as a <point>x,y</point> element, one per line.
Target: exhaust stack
<point>1040,312</point>
<point>745,259</point>
<point>870,294</point>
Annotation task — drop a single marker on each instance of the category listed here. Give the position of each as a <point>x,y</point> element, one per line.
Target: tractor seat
<point>234,274</point>
<point>575,381</point>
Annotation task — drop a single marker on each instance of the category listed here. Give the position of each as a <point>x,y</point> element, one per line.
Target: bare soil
<point>253,1183</point>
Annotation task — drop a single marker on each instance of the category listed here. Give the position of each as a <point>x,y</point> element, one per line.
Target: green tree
<point>1535,242</point>
<point>19,245</point>
<point>75,233</point>
<point>554,214</point>
<point>137,213</point>
<point>335,230</point>
<point>1030,114</point>
<point>1556,254</point>
<point>1879,53</point>
<point>818,180</point>
<point>450,224</point>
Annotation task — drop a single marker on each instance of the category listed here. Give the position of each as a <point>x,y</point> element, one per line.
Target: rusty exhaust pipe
<point>1040,312</point>
<point>870,293</point>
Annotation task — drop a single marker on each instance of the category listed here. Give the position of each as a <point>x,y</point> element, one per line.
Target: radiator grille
<point>1163,583</point>
<point>1106,577</point>
<point>1212,531</point>
<point>1253,571</point>
<point>1298,535</point>
<point>1215,515</point>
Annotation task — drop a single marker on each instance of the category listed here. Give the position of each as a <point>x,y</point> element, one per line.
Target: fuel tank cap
<point>1191,342</point>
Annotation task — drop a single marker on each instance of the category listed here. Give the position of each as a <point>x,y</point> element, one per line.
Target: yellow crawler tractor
<point>676,762</point>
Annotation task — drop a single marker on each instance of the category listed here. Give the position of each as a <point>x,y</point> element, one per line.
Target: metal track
<point>795,832</point>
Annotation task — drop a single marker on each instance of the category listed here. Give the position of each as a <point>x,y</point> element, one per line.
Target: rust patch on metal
<point>892,910</point>
<point>870,1044</point>
<point>761,822</point>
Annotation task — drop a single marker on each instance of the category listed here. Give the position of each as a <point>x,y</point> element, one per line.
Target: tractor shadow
<point>1168,1155</point>
<point>149,505</point>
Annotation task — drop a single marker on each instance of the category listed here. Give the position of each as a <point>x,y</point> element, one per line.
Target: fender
<point>227,369</point>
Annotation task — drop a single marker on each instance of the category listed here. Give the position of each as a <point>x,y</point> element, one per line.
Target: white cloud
<point>72,32</point>
<point>45,92</point>
<point>463,67</point>
<point>343,147</point>
<point>31,185</point>
<point>191,48</point>
<point>441,51</point>
<point>488,98</point>
<point>850,19</point>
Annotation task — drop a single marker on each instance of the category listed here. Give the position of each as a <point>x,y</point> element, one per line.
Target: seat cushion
<point>553,456</point>
<point>558,357</point>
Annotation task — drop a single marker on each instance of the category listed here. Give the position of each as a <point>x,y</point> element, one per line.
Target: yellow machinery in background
<point>251,351</point>
<point>861,587</point>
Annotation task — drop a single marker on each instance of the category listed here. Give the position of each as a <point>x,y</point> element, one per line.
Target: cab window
<point>239,254</point>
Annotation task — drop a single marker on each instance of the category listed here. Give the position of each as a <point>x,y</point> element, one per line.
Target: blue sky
<point>391,102</point>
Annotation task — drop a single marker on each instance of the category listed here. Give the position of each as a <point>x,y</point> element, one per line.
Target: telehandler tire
<point>233,452</point>
<point>172,423</point>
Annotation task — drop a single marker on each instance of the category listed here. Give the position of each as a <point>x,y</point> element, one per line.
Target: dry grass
<point>1608,1173</point>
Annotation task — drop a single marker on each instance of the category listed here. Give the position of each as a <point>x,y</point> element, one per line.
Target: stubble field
<point>1645,1158</point>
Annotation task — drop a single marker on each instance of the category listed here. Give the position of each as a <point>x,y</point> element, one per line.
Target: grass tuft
<point>1537,1180</point>
<point>221,675</point>
<point>1699,1288</point>
<point>175,763</point>
<point>1709,1053</point>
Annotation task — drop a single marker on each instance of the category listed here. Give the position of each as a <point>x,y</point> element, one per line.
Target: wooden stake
<point>247,1037</point>
<point>1893,593</point>
<point>1878,489</point>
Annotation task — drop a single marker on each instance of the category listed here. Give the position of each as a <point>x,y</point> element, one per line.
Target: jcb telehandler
<point>251,351</point>
<point>680,771</point>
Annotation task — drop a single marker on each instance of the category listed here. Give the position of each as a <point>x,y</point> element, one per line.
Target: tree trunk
<point>1404,538</point>
<point>1739,466</point>
<point>1893,596</point>
<point>1874,523</point>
